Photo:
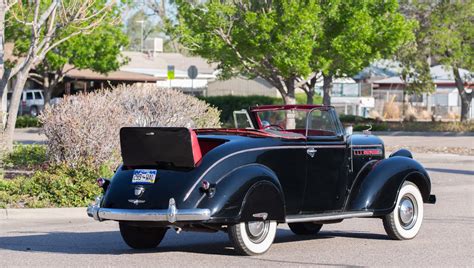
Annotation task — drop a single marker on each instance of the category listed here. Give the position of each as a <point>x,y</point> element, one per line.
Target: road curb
<point>42,213</point>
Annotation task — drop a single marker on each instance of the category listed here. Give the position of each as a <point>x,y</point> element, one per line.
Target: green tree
<point>271,39</point>
<point>415,56</point>
<point>355,33</point>
<point>48,24</point>
<point>452,43</point>
<point>99,51</point>
<point>290,43</point>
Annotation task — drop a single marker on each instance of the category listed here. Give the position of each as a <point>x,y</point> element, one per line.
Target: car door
<point>327,159</point>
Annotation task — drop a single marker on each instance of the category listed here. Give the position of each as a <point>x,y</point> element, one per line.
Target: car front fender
<point>246,193</point>
<point>377,191</point>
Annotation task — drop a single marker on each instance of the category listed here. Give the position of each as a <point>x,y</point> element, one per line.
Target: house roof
<point>440,74</point>
<point>111,76</point>
<point>157,65</point>
<point>380,68</point>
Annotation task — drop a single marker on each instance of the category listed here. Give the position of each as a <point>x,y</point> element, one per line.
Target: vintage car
<point>297,165</point>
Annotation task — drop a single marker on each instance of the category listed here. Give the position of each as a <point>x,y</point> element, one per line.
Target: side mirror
<point>348,130</point>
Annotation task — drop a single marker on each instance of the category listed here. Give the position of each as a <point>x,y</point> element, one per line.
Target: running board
<point>327,216</point>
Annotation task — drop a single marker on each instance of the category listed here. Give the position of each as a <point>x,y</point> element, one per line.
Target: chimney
<point>154,45</point>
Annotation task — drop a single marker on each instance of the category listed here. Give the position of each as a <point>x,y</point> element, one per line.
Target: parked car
<point>31,102</point>
<point>298,166</point>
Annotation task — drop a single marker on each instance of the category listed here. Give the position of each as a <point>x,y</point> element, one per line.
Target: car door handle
<point>311,151</point>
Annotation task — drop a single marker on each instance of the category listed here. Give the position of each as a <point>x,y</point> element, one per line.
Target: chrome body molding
<point>365,145</point>
<point>327,217</point>
<point>172,214</point>
<point>253,150</point>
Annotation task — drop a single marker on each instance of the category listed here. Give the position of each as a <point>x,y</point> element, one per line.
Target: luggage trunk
<point>159,147</point>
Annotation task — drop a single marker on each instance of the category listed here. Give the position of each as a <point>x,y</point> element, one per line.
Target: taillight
<point>208,188</point>
<point>205,185</point>
<point>103,183</point>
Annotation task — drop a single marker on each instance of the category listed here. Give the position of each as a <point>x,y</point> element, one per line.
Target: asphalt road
<point>446,237</point>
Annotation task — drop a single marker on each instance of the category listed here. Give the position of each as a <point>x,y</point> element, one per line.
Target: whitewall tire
<point>252,238</point>
<point>405,220</point>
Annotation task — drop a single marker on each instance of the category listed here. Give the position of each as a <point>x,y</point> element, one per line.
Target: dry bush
<point>375,115</point>
<point>453,116</point>
<point>410,114</point>
<point>84,129</point>
<point>391,111</point>
<point>425,114</point>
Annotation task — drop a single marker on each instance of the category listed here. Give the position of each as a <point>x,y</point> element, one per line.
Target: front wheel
<point>141,237</point>
<point>405,220</point>
<point>252,238</point>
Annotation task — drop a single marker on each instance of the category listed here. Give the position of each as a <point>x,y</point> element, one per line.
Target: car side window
<point>38,96</point>
<point>29,95</point>
<point>321,123</point>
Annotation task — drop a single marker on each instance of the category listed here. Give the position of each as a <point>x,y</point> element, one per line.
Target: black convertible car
<point>295,165</point>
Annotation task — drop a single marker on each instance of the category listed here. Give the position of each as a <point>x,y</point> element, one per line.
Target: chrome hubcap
<point>407,211</point>
<point>257,230</point>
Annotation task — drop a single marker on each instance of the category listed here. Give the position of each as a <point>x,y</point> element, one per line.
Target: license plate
<point>144,176</point>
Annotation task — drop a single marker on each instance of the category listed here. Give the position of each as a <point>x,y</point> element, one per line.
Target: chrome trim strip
<point>154,214</point>
<point>367,145</point>
<point>252,150</point>
<point>316,217</point>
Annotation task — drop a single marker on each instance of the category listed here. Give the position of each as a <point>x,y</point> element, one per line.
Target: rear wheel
<point>34,111</point>
<point>405,220</point>
<point>141,237</point>
<point>305,228</point>
<point>252,238</point>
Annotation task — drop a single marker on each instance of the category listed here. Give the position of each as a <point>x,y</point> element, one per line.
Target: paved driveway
<point>446,237</point>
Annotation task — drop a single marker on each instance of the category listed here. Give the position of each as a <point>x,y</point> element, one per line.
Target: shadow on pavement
<point>110,242</point>
<point>452,171</point>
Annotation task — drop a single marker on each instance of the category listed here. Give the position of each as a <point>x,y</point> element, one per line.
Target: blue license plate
<point>144,176</point>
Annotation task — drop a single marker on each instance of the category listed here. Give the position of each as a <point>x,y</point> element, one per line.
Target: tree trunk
<point>21,78</point>
<point>310,90</point>
<point>289,100</point>
<point>47,88</point>
<point>309,97</point>
<point>466,98</point>
<point>327,89</point>
<point>3,83</point>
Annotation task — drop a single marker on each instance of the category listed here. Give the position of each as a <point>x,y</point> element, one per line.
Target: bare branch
<point>45,15</point>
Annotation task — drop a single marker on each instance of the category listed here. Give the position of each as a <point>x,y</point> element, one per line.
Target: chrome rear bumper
<point>172,214</point>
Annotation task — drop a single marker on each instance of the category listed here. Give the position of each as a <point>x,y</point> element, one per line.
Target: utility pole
<point>141,38</point>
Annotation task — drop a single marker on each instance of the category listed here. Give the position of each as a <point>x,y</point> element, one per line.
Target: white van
<point>31,103</point>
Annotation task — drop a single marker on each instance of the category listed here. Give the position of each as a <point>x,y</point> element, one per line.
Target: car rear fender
<point>246,193</point>
<point>378,189</point>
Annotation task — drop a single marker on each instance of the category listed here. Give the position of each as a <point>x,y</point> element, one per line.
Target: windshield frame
<point>308,109</point>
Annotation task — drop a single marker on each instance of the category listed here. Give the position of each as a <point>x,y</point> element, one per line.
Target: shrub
<point>354,119</point>
<point>228,104</point>
<point>25,121</point>
<point>84,129</point>
<point>25,156</point>
<point>375,127</point>
<point>57,186</point>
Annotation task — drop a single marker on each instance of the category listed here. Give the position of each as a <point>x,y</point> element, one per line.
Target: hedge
<point>24,121</point>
